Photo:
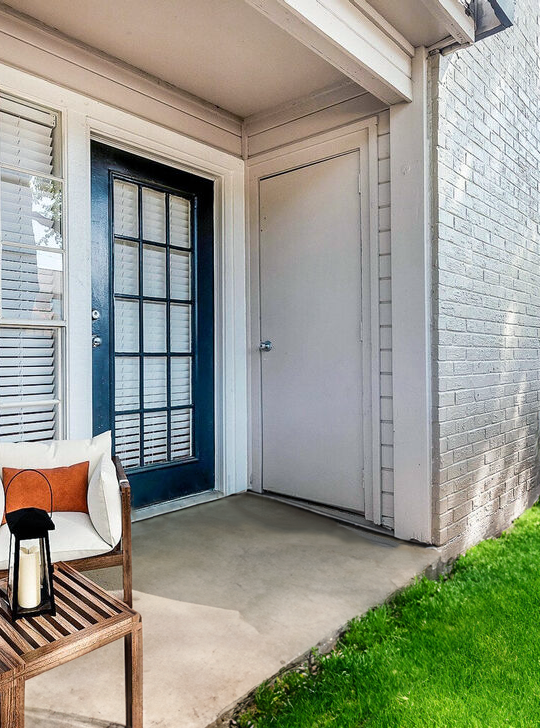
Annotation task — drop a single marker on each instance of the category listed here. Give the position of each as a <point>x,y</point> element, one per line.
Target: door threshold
<point>177,504</point>
<point>337,514</point>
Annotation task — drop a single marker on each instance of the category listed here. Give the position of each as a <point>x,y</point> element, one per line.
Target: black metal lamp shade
<point>491,16</point>
<point>33,594</point>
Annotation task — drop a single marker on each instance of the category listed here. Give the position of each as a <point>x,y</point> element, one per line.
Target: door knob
<point>96,341</point>
<point>265,346</point>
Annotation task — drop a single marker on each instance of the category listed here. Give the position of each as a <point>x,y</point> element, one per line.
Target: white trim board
<point>361,136</point>
<point>178,504</point>
<point>279,115</point>
<point>332,108</point>
<point>454,15</point>
<point>411,314</point>
<point>85,118</point>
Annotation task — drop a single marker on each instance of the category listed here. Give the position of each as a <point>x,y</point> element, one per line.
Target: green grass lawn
<point>463,651</point>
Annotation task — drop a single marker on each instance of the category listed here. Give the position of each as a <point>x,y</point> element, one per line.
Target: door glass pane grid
<point>153,325</point>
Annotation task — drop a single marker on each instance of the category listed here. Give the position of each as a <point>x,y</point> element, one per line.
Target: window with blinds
<point>31,278</point>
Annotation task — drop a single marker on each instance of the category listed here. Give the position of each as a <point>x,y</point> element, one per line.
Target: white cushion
<point>55,453</point>
<point>74,537</point>
<point>105,502</point>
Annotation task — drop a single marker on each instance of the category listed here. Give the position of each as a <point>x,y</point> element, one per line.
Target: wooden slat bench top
<point>87,617</point>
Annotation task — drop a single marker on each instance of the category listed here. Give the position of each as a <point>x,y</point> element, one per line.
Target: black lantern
<point>30,576</point>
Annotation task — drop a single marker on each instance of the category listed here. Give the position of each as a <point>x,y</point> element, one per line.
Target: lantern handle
<point>31,470</point>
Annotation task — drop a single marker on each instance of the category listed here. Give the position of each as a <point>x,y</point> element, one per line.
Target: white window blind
<point>32,278</point>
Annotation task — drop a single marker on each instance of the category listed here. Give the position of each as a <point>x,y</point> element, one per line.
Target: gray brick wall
<point>486,302</point>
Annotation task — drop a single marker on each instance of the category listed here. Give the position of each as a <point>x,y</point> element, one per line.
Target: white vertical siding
<point>385,303</point>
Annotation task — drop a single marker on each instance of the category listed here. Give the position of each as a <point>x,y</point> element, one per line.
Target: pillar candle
<point>29,578</point>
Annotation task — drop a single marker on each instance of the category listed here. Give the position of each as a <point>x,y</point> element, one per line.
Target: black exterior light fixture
<point>30,572</point>
<point>491,16</point>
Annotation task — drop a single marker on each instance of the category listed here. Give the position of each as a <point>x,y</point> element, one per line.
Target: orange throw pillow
<point>29,490</point>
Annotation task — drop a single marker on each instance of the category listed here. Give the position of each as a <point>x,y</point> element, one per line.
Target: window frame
<point>60,325</point>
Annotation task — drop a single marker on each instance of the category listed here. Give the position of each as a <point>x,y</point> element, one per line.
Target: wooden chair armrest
<point>123,482</point>
<point>125,491</point>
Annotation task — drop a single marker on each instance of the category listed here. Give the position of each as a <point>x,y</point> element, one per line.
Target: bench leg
<point>133,671</point>
<point>12,704</point>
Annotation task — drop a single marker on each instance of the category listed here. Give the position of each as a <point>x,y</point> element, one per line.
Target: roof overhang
<point>376,57</point>
<point>373,41</point>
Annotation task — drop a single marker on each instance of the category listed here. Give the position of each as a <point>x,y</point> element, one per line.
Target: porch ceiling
<point>223,51</point>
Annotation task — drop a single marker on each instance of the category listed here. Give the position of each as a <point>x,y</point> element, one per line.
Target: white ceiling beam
<point>453,15</point>
<point>384,25</point>
<point>338,32</point>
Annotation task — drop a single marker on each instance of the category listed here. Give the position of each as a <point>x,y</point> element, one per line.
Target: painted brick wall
<point>486,151</point>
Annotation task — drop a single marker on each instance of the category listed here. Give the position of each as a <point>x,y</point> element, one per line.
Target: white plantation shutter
<point>31,283</point>
<point>154,327</point>
<point>180,274</point>
<point>153,215</point>
<point>180,328</point>
<point>28,377</point>
<point>155,437</point>
<point>127,383</point>
<point>26,137</point>
<point>155,381</point>
<point>126,267</point>
<point>126,324</point>
<point>180,221</point>
<point>127,439</point>
<point>180,381</point>
<point>154,271</point>
<point>181,446</point>
<point>126,209</point>
<point>31,290</point>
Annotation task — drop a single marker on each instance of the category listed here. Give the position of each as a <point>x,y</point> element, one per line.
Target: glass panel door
<point>158,343</point>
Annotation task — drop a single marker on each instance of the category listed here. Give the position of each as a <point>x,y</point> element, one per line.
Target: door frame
<point>156,482</point>
<point>230,397</point>
<point>362,137</point>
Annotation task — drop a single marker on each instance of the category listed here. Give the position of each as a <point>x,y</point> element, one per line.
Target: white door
<point>310,267</point>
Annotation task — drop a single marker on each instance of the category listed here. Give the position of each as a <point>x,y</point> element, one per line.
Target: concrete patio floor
<point>230,592</point>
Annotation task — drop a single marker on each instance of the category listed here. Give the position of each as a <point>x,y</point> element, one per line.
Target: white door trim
<point>84,118</point>
<point>361,136</point>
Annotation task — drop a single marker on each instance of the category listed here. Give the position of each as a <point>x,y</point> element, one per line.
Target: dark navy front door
<point>153,322</point>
